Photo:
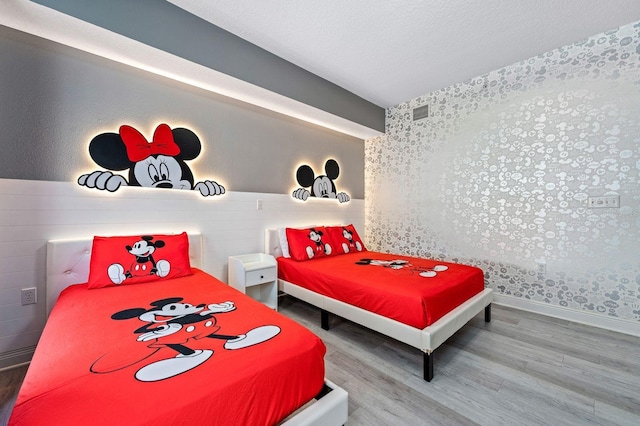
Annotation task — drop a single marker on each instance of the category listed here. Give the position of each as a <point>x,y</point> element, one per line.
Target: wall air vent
<point>420,112</point>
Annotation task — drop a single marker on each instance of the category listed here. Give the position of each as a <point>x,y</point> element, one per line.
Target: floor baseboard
<point>582,317</point>
<point>16,357</point>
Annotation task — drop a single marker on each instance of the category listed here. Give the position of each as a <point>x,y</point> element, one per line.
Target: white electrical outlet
<point>259,205</point>
<point>29,296</point>
<point>606,201</point>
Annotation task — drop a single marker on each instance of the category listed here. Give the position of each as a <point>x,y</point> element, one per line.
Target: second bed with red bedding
<point>413,291</point>
<point>421,302</point>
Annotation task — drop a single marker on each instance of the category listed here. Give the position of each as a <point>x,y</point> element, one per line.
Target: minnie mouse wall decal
<point>321,186</point>
<point>159,163</point>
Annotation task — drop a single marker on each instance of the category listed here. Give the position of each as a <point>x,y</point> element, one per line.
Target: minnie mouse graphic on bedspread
<point>156,164</point>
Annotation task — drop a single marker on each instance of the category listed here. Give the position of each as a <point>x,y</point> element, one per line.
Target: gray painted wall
<point>165,26</point>
<point>55,99</point>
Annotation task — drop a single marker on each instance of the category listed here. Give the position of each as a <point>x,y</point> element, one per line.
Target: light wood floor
<point>520,369</point>
<point>10,381</point>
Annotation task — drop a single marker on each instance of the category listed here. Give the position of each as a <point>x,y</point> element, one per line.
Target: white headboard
<point>272,242</point>
<point>68,263</point>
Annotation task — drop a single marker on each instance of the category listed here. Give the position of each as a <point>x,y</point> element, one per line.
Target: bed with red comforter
<point>188,350</point>
<point>421,302</point>
<point>413,291</point>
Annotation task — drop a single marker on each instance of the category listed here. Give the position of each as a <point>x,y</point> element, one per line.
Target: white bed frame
<point>427,339</point>
<point>68,263</point>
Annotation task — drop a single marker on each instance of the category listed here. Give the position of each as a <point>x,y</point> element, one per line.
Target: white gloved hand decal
<point>209,187</point>
<point>301,194</point>
<point>102,180</point>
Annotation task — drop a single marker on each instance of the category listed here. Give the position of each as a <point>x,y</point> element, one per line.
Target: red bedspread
<point>92,369</point>
<point>414,291</point>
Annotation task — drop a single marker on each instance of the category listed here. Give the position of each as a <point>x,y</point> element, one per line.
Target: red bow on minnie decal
<point>138,148</point>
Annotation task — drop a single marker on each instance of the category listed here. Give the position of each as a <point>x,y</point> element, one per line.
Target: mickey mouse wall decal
<point>159,163</point>
<point>321,186</point>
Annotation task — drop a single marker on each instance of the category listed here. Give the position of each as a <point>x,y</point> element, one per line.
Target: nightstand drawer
<point>260,276</point>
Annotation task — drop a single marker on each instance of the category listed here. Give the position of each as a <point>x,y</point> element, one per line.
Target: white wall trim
<point>16,358</point>
<point>582,317</point>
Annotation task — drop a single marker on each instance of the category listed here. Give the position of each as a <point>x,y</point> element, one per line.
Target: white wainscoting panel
<point>33,212</point>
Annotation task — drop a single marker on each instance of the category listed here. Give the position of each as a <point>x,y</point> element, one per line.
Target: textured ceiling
<point>391,51</point>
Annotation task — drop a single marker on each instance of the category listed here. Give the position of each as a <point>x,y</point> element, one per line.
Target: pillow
<point>309,243</point>
<point>345,239</point>
<point>138,259</point>
<point>284,244</point>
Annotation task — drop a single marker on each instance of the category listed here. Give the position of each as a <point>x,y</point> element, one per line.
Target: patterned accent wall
<point>499,176</point>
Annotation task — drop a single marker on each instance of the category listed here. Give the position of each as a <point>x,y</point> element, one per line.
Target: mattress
<point>413,291</point>
<point>189,350</point>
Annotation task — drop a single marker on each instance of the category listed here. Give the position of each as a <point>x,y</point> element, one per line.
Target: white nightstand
<point>256,275</point>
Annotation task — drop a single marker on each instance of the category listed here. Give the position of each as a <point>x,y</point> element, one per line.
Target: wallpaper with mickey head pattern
<point>499,176</point>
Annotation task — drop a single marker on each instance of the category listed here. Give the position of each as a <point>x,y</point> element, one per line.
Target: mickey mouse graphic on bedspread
<point>171,324</point>
<point>156,164</point>
<point>422,271</point>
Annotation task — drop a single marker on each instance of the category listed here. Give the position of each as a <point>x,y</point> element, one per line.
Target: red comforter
<point>414,291</point>
<point>186,351</point>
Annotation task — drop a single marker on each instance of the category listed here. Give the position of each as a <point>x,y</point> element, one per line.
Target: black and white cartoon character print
<point>349,244</point>
<point>156,164</point>
<point>144,262</point>
<point>431,272</point>
<point>392,264</point>
<point>405,264</point>
<point>321,186</point>
<point>317,245</point>
<point>171,324</point>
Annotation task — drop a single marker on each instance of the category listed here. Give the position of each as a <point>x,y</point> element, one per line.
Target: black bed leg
<point>324,319</point>
<point>487,313</point>
<point>428,366</point>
